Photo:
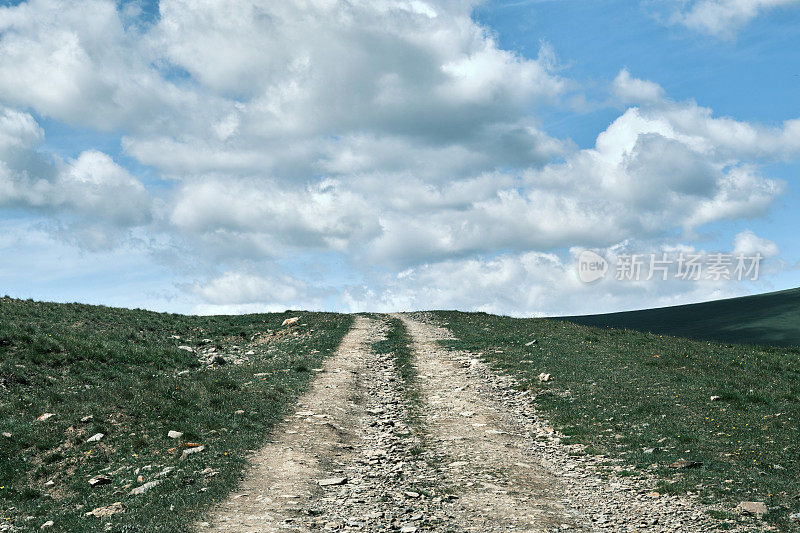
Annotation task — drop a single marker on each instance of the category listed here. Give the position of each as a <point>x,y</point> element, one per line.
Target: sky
<point>233,156</point>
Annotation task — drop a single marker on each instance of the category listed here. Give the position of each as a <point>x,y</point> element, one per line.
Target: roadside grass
<point>123,368</point>
<point>398,342</point>
<point>646,399</point>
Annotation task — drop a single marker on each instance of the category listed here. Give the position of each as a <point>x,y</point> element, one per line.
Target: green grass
<point>122,367</point>
<point>766,319</point>
<point>621,392</point>
<point>398,343</point>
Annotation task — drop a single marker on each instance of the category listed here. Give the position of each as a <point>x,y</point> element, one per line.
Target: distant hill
<point>768,319</point>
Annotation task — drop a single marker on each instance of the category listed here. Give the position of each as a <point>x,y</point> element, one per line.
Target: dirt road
<point>474,457</point>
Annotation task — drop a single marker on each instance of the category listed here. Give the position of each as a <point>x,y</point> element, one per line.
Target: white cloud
<point>395,133</point>
<point>239,288</point>
<point>723,18</point>
<point>633,90</point>
<point>532,284</point>
<point>92,186</point>
<point>749,244</point>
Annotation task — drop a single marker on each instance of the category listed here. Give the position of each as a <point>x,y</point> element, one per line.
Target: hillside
<point>715,421</point>
<point>90,394</point>
<point>767,319</point>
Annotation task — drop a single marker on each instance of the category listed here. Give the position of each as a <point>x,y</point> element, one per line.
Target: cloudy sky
<point>219,156</point>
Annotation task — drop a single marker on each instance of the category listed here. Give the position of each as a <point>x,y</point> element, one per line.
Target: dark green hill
<point>768,319</point>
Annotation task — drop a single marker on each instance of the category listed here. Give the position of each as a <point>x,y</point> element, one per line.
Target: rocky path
<point>475,457</point>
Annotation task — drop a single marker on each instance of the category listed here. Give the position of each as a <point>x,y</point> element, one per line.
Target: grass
<point>399,343</point>
<point>625,393</point>
<point>766,319</point>
<point>125,370</point>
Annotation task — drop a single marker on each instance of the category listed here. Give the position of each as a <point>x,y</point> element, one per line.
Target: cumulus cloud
<point>723,18</point>
<point>92,186</point>
<point>534,284</point>
<point>633,90</point>
<point>749,244</point>
<point>239,288</point>
<point>395,133</point>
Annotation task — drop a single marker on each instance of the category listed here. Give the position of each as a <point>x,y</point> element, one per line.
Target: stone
<point>109,510</point>
<point>144,488</point>
<point>332,481</point>
<point>97,437</point>
<point>87,418</point>
<point>531,343</point>
<point>239,412</point>
<point>757,509</point>
<point>190,451</point>
<point>654,494</point>
<point>682,463</point>
<point>7,435</point>
<point>45,416</point>
<point>174,434</point>
<point>47,524</point>
<point>411,494</point>
<point>715,398</point>
<point>543,377</point>
<point>96,481</point>
<point>290,321</point>
<point>167,470</point>
<point>408,529</point>
<point>186,348</point>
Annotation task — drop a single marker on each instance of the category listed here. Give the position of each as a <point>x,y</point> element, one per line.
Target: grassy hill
<point>133,376</point>
<point>768,319</point>
<point>650,400</point>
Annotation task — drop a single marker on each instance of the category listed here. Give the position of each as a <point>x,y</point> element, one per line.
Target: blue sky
<point>245,156</point>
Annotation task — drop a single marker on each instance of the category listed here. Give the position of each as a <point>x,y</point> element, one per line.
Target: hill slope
<point>768,319</point>
<point>91,392</point>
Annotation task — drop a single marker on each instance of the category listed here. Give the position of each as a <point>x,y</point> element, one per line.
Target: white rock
<point>189,451</point>
<point>144,488</point>
<point>105,512</point>
<point>290,321</point>
<point>543,377</point>
<point>332,481</point>
<point>45,417</point>
<point>96,437</point>
<point>174,434</point>
<point>47,524</point>
<point>752,508</point>
<point>187,348</point>
<point>96,481</point>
